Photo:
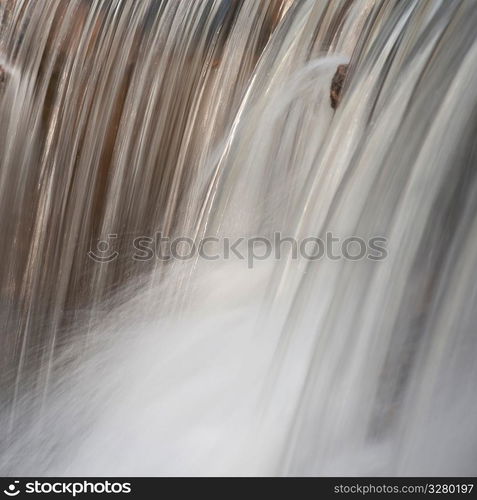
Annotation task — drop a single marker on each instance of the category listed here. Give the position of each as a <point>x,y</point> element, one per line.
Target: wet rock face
<point>337,85</point>
<point>2,77</point>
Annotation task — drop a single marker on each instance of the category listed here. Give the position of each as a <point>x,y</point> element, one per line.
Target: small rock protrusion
<point>337,85</point>
<point>3,78</point>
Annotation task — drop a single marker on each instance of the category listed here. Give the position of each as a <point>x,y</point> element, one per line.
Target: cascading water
<point>211,119</point>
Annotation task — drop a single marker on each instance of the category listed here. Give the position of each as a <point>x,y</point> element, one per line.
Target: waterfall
<point>123,123</point>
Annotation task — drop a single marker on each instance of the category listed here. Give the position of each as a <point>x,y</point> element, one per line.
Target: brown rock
<point>337,85</point>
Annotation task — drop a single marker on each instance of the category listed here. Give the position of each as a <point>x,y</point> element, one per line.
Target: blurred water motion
<point>212,118</point>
